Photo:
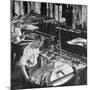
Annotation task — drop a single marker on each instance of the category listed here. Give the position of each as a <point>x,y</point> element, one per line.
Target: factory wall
<point>71,14</point>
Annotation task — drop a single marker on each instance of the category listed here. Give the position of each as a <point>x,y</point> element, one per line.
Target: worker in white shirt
<point>30,56</point>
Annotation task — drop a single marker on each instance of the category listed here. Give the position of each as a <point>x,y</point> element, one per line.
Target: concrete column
<point>60,13</point>
<point>84,14</point>
<point>51,10</point>
<point>33,6</point>
<point>38,7</point>
<point>56,12</point>
<point>17,8</point>
<point>29,8</point>
<point>47,10</point>
<point>21,8</point>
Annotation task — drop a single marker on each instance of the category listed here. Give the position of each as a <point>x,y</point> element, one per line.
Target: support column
<point>32,7</point>
<point>21,8</point>
<point>56,12</point>
<point>28,9</point>
<point>84,14</point>
<point>51,10</point>
<point>17,8</point>
<point>38,7</point>
<point>60,13</point>
<point>47,10</point>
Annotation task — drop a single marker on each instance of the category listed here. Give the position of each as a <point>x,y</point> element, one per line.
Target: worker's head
<point>38,41</point>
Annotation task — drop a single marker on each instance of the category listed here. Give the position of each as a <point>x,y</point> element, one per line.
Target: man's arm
<point>24,72</point>
<point>23,62</point>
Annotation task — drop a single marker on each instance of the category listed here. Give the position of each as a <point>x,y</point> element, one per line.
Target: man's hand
<point>32,80</point>
<point>28,79</point>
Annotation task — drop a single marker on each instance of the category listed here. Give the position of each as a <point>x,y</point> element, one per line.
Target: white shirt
<point>29,55</point>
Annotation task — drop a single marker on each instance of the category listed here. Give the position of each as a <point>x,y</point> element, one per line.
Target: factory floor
<point>17,79</point>
<point>18,83</point>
